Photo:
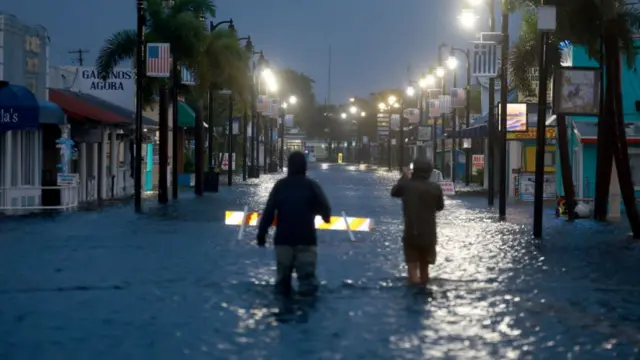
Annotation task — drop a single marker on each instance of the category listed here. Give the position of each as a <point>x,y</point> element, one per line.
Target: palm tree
<point>603,29</point>
<point>177,22</point>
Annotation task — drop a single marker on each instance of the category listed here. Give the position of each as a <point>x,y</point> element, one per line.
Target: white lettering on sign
<point>8,116</point>
<point>113,83</point>
<point>448,188</point>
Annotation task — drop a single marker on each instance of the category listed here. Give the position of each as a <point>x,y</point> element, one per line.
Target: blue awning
<point>50,113</point>
<point>477,131</point>
<point>19,108</point>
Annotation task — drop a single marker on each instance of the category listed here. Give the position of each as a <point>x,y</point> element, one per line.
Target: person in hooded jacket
<point>421,200</point>
<point>296,200</point>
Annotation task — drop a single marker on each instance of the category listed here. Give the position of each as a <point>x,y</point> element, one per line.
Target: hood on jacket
<point>296,164</point>
<point>422,168</point>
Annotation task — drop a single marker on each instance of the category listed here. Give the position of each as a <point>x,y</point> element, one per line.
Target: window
<point>549,158</point>
<point>634,163</point>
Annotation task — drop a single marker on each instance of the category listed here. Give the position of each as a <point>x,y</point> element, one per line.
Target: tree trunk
<point>163,139</point>
<point>199,149</point>
<point>565,166</point>
<point>613,103</point>
<point>604,160</point>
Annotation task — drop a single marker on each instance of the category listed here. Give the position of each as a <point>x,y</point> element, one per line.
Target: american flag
<point>158,60</point>
<point>458,98</point>
<point>188,77</point>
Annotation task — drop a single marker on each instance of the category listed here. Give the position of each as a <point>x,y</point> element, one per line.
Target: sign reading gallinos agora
<point>118,88</point>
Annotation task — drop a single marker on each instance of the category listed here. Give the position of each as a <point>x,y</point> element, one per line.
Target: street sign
<point>495,37</point>
<point>485,59</point>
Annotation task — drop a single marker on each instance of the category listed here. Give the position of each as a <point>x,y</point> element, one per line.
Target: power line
<point>80,55</point>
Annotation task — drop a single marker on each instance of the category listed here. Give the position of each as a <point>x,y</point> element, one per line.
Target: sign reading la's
<point>114,82</point>
<point>8,116</point>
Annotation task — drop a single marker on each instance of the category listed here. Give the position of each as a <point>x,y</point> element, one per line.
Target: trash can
<point>211,181</point>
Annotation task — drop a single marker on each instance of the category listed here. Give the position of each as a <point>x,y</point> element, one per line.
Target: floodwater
<point>176,283</point>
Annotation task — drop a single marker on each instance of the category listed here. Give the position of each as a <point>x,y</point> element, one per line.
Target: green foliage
<point>579,23</point>
<point>217,57</point>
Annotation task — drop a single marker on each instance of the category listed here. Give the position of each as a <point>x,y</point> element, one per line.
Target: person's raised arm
<point>268,215</point>
<point>321,206</point>
<point>398,189</point>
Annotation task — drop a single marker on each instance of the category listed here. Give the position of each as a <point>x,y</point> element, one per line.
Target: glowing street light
<point>391,100</point>
<point>475,2</point>
<point>363,114</point>
<point>343,115</point>
<point>284,105</point>
<point>440,71</point>
<point>353,109</point>
<point>411,91</point>
<point>293,99</point>
<point>352,100</point>
<point>452,62</point>
<point>382,106</point>
<point>468,18</point>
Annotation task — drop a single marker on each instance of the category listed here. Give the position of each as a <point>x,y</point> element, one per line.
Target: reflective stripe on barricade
<point>336,222</point>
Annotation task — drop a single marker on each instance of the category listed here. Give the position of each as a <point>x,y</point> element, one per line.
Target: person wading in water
<point>421,200</point>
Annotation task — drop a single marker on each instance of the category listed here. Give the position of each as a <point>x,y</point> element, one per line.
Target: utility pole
<point>79,53</point>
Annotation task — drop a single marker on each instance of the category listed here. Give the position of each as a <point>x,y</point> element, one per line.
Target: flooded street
<point>176,283</point>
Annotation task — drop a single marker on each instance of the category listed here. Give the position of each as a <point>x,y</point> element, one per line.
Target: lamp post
<point>440,72</point>
<point>254,170</point>
<point>469,21</point>
<point>353,114</point>
<point>245,117</point>
<point>452,62</point>
<point>392,102</point>
<point>137,169</point>
<point>285,104</point>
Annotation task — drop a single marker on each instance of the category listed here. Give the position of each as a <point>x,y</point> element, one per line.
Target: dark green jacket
<point>421,200</point>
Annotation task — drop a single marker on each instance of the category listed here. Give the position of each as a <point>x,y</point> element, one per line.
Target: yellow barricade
<point>336,223</point>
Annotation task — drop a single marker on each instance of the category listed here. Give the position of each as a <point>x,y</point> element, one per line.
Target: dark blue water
<point>176,283</point>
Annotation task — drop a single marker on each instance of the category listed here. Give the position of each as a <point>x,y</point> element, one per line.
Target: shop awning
<point>76,106</point>
<point>50,113</point>
<point>186,116</point>
<point>477,131</point>
<point>587,132</point>
<point>116,109</point>
<point>21,110</point>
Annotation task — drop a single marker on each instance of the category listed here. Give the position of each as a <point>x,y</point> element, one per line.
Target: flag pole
<point>137,169</point>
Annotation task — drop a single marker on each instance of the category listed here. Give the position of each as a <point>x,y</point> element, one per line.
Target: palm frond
<point>119,47</point>
<point>198,7</point>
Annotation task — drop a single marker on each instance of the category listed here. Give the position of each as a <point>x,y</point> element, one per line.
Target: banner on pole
<point>458,98</point>
<point>485,57</point>
<point>158,60</point>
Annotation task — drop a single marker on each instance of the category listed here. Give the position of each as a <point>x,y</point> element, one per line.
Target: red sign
<point>477,161</point>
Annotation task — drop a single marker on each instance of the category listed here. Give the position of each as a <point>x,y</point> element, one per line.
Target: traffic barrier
<point>350,224</point>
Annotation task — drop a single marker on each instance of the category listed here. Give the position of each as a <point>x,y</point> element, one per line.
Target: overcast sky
<point>373,41</point>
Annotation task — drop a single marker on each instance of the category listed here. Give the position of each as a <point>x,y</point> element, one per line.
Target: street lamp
<point>382,106</point>
<point>452,62</point>
<point>351,100</point>
<point>468,18</point>
<point>292,101</point>
<point>391,100</point>
<point>353,109</point>
<point>363,114</point>
<point>440,71</point>
<point>411,91</point>
<point>343,115</point>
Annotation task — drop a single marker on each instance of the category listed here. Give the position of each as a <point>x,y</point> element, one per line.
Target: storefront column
<point>94,170</point>
<point>515,162</point>
<point>18,157</point>
<point>37,156</point>
<point>82,160</point>
<point>113,162</point>
<point>6,183</point>
<point>103,164</point>
<point>485,173</point>
<point>614,194</point>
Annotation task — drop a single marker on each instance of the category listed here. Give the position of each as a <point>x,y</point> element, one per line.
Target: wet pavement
<point>175,283</point>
